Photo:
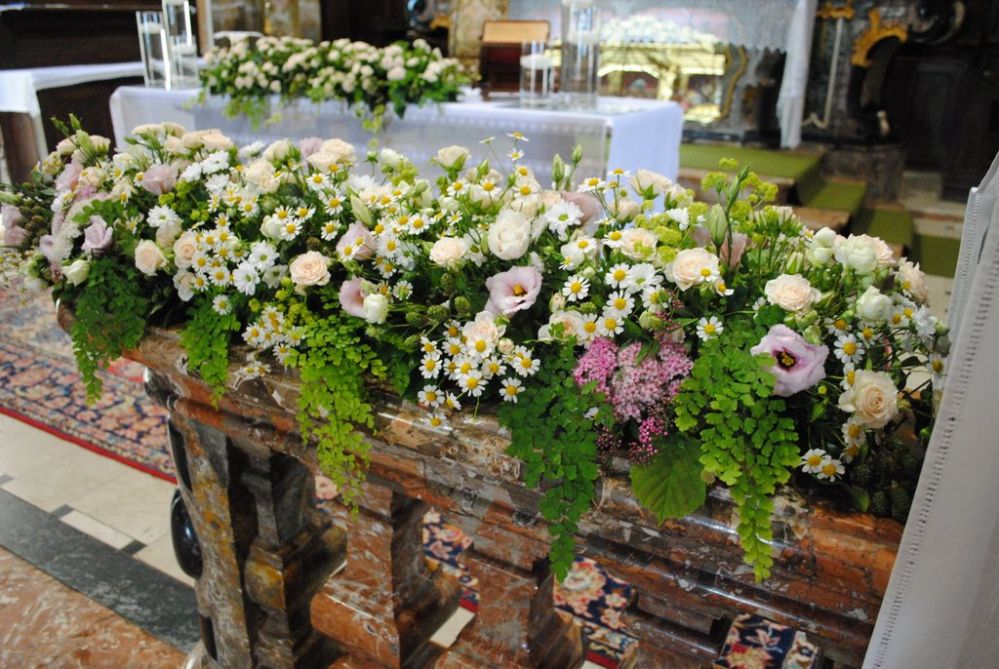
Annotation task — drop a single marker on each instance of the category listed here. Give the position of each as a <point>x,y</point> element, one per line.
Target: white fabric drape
<point>941,609</point>
<point>791,100</point>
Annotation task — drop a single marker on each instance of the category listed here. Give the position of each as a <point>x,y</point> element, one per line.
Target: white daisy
<point>563,216</point>
<point>848,349</point>
<point>708,328</point>
<point>618,275</point>
<point>472,383</point>
<point>608,325</point>
<point>161,215</point>
<point>811,461</point>
<point>221,305</point>
<point>510,389</point>
<point>830,469</point>
<point>289,229</point>
<point>619,303</point>
<point>576,288</point>
<point>523,362</point>
<point>430,396</point>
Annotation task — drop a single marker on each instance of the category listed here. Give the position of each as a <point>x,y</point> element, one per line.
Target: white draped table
<point>625,133</point>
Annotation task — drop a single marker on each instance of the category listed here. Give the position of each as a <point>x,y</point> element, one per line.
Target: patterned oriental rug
<point>40,385</point>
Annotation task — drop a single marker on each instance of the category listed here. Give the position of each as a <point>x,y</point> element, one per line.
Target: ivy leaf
<point>671,485</point>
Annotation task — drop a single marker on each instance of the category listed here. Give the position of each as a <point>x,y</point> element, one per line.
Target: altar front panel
<point>624,133</point>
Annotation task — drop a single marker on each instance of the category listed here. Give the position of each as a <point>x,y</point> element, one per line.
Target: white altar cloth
<point>19,88</point>
<point>625,133</point>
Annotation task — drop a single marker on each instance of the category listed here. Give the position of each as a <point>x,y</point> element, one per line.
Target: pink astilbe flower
<point>643,450</point>
<point>639,387</point>
<point>597,364</point>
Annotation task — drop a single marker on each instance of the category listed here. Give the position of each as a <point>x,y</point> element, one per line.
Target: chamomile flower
<point>614,239</point>
<point>517,136</point>
<point>451,402</point>
<point>472,383</point>
<point>722,289</point>
<point>848,349</point>
<point>430,366</point>
<point>304,213</point>
<point>618,275</point>
<point>937,365</point>
<point>254,335</point>
<point>592,184</point>
<point>576,288</point>
<point>430,396</point>
<point>493,366</point>
<point>523,362</point>
<point>282,350</point>
<point>609,324</point>
<point>709,328</point>
<point>245,279</point>
<point>457,187</point>
<point>811,461</point>
<point>317,181</point>
<point>289,229</point>
<point>589,329</point>
<point>221,305</point>
<point>620,303</point>
<point>830,469</point>
<point>334,204</point>
<point>836,326</point>
<point>510,389</point>
<point>220,276</point>
<point>515,154</point>
<point>438,420</point>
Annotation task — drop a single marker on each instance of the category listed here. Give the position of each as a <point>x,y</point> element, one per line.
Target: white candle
<point>536,61</point>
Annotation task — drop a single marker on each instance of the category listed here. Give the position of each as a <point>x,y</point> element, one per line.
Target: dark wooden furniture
<point>499,55</point>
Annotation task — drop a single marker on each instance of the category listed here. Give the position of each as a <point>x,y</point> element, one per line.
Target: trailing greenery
<point>206,339</point>
<point>111,313</point>
<point>671,486</point>
<point>551,432</point>
<point>747,439</point>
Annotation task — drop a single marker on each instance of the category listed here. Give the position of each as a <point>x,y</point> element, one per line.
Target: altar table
<point>627,133</point>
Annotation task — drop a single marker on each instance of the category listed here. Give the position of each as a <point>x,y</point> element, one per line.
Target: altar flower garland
<point>608,319</point>
<point>371,78</point>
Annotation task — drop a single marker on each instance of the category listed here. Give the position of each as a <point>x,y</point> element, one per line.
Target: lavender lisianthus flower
<point>97,237</point>
<point>513,290</point>
<point>159,179</point>
<point>352,297</point>
<point>798,365</point>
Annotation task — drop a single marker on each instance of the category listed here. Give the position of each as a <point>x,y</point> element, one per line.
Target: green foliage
<point>332,404</point>
<point>111,314</point>
<point>551,433</point>
<point>747,439</point>
<point>671,485</point>
<point>206,339</point>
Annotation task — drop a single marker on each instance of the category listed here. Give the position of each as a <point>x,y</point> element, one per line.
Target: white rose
<point>528,206</point>
<point>691,267</point>
<point>183,282</point>
<point>857,254</point>
<point>647,182</point>
<point>278,151</point>
<point>309,269</point>
<point>77,271</point>
<point>322,161</point>
<point>390,158</point>
<point>872,399</point>
<point>65,146</point>
<point>174,145</point>
<point>375,308</point>
<point>791,292</point>
<point>149,257</point>
<point>886,257</point>
<point>571,322</point>
<point>639,243</point>
<point>341,151</point>
<point>509,235</point>
<point>448,251</point>
<point>874,306</point>
<point>271,227</point>
<point>484,329</point>
<point>626,209</point>
<point>912,281</point>
<point>452,157</point>
<point>261,173</point>
<point>214,140</point>
<point>397,74</point>
<point>184,249</point>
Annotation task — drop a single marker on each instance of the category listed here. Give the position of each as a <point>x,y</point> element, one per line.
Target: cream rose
<point>912,281</point>
<point>184,249</point>
<point>639,243</point>
<point>391,159</point>
<point>691,267</point>
<point>886,257</point>
<point>791,292</point>
<point>309,269</point>
<point>339,150</point>
<point>509,235</point>
<point>873,399</point>
<point>874,306</point>
<point>571,322</point>
<point>167,233</point>
<point>448,251</point>
<point>148,257</point>
<point>482,333</point>
<point>261,173</point>
<point>278,151</point>
<point>650,184</point>
<point>452,157</point>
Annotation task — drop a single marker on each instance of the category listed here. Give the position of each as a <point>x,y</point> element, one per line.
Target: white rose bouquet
<point>615,316</point>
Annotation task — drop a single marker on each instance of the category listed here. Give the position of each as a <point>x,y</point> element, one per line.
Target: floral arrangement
<point>371,78</point>
<point>610,316</point>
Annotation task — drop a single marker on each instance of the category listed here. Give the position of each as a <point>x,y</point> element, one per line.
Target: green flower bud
<point>577,154</point>
<point>447,282</point>
<point>438,312</point>
<point>587,308</point>
<point>313,244</point>
<point>411,343</point>
<point>650,321</point>
<point>462,305</point>
<point>813,334</point>
<point>414,318</point>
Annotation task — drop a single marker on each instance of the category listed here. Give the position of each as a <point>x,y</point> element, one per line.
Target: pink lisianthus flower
<point>702,238</point>
<point>359,238</point>
<point>309,145</point>
<point>588,205</point>
<point>513,290</point>
<point>352,297</point>
<point>97,237</point>
<point>69,176</point>
<point>159,179</point>
<point>798,365</point>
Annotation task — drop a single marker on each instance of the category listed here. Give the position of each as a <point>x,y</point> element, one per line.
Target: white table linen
<point>622,133</point>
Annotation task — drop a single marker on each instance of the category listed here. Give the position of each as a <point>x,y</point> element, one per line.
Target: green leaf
<point>671,485</point>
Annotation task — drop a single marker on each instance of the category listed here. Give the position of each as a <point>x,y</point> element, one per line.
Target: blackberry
<point>901,501</point>
<point>862,474</point>
<point>880,503</point>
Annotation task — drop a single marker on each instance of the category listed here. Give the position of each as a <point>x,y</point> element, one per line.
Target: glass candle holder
<point>181,46</point>
<point>537,74</point>
<point>578,80</point>
<point>152,46</point>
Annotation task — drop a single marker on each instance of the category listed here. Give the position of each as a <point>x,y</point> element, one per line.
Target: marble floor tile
<point>159,554</point>
<point>44,624</point>
<point>73,473</point>
<point>133,503</point>
<point>96,529</point>
<point>24,448</point>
